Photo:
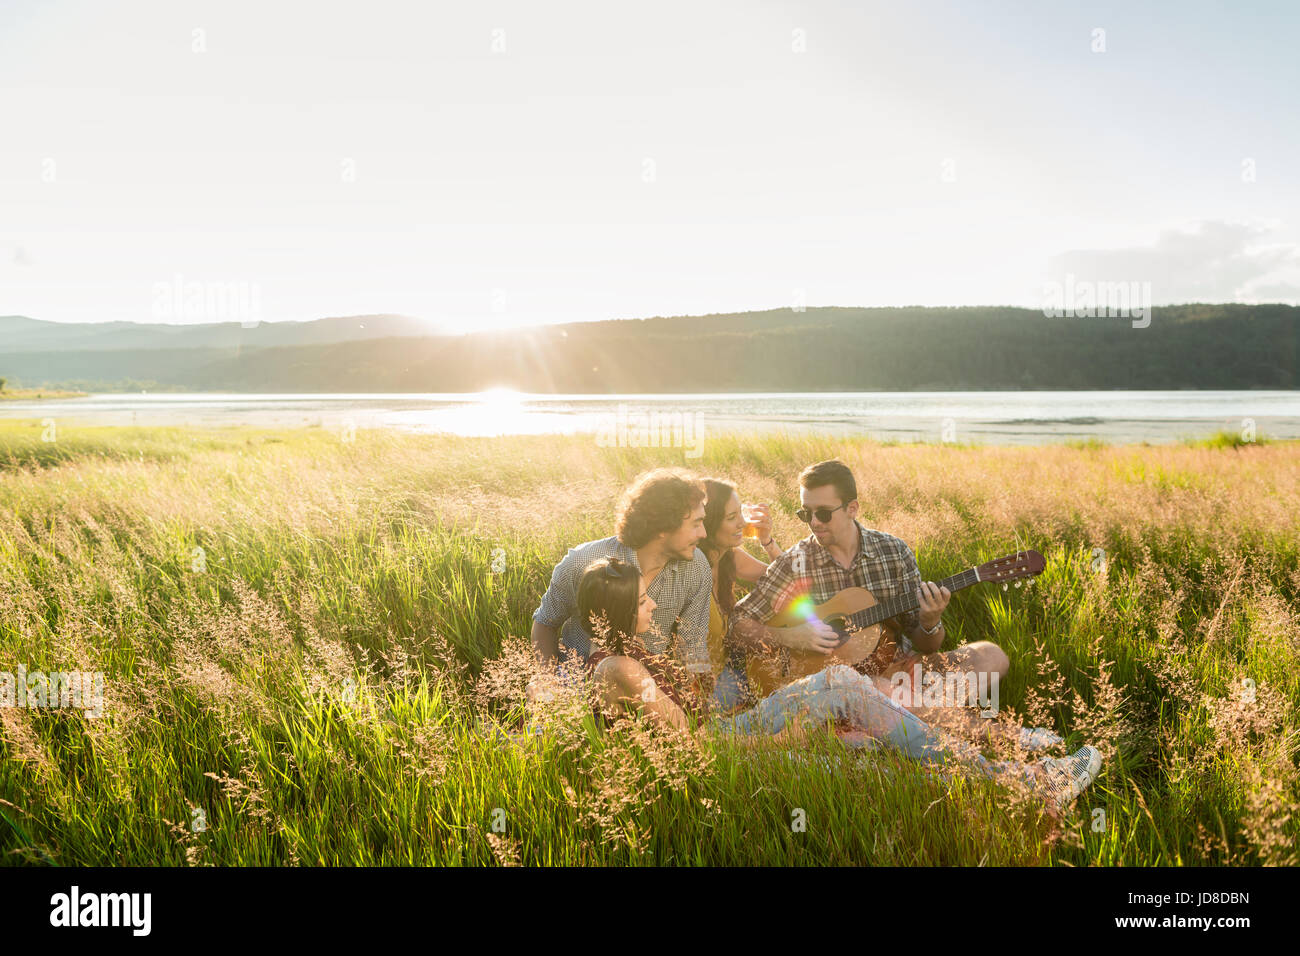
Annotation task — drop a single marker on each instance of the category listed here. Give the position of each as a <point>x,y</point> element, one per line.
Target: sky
<point>503,164</point>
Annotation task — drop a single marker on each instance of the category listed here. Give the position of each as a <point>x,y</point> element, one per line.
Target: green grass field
<point>309,659</point>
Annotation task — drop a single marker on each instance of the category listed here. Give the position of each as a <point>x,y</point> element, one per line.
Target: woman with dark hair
<point>724,526</point>
<point>614,607</point>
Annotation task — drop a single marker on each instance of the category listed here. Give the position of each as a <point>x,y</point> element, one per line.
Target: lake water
<point>981,417</point>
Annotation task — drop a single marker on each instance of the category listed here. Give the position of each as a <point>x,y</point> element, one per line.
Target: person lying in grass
<point>614,607</point>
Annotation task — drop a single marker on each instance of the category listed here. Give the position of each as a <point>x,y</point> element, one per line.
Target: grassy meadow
<point>315,651</point>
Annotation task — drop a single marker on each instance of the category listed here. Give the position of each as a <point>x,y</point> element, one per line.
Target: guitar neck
<point>907,602</point>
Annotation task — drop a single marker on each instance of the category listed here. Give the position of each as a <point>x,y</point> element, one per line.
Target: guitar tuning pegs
<point>1004,585</point>
<point>1018,583</point>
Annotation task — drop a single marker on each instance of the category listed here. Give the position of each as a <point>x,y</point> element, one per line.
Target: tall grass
<point>311,660</point>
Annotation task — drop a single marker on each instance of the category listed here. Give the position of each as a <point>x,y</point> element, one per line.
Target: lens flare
<point>803,606</point>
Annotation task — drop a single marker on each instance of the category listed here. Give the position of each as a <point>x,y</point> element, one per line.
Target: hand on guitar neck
<point>928,636</point>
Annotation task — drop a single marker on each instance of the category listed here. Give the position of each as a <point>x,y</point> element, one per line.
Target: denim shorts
<point>836,693</point>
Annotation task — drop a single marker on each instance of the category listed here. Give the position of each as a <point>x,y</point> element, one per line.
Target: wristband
<point>931,630</point>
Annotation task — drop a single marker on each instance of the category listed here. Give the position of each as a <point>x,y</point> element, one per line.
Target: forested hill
<point>820,349</point>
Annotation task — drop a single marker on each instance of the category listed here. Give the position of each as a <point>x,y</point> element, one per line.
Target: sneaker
<point>1064,778</point>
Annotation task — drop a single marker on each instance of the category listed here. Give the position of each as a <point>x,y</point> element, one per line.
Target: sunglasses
<point>823,514</point>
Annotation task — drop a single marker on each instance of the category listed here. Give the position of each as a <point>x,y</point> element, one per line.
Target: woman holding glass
<point>727,523</point>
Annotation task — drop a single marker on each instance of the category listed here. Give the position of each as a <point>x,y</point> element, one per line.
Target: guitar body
<point>776,670</point>
<point>871,648</point>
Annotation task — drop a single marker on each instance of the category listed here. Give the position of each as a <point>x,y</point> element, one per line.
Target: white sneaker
<point>1064,778</point>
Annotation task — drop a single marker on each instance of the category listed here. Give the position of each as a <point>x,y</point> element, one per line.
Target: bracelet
<point>768,543</point>
<point>931,630</point>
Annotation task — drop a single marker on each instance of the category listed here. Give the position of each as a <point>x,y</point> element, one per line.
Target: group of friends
<point>652,616</point>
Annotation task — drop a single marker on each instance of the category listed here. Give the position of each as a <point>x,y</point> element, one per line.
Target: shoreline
<point>969,435</point>
<point>35,394</point>
<point>985,419</point>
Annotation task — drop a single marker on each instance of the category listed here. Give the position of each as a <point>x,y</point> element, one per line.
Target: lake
<point>979,417</point>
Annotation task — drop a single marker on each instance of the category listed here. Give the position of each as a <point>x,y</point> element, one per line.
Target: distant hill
<point>821,349</point>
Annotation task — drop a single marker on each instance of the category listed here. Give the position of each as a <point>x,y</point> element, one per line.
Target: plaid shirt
<point>884,565</point>
<point>681,591</point>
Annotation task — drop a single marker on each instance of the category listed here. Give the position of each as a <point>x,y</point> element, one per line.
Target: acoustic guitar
<point>871,645</point>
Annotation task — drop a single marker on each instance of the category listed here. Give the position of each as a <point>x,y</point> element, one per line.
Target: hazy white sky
<point>505,163</point>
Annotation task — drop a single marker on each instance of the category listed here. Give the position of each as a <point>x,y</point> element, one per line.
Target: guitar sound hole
<point>841,628</point>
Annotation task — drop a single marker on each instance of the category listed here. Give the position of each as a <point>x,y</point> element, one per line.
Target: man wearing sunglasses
<point>840,553</point>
